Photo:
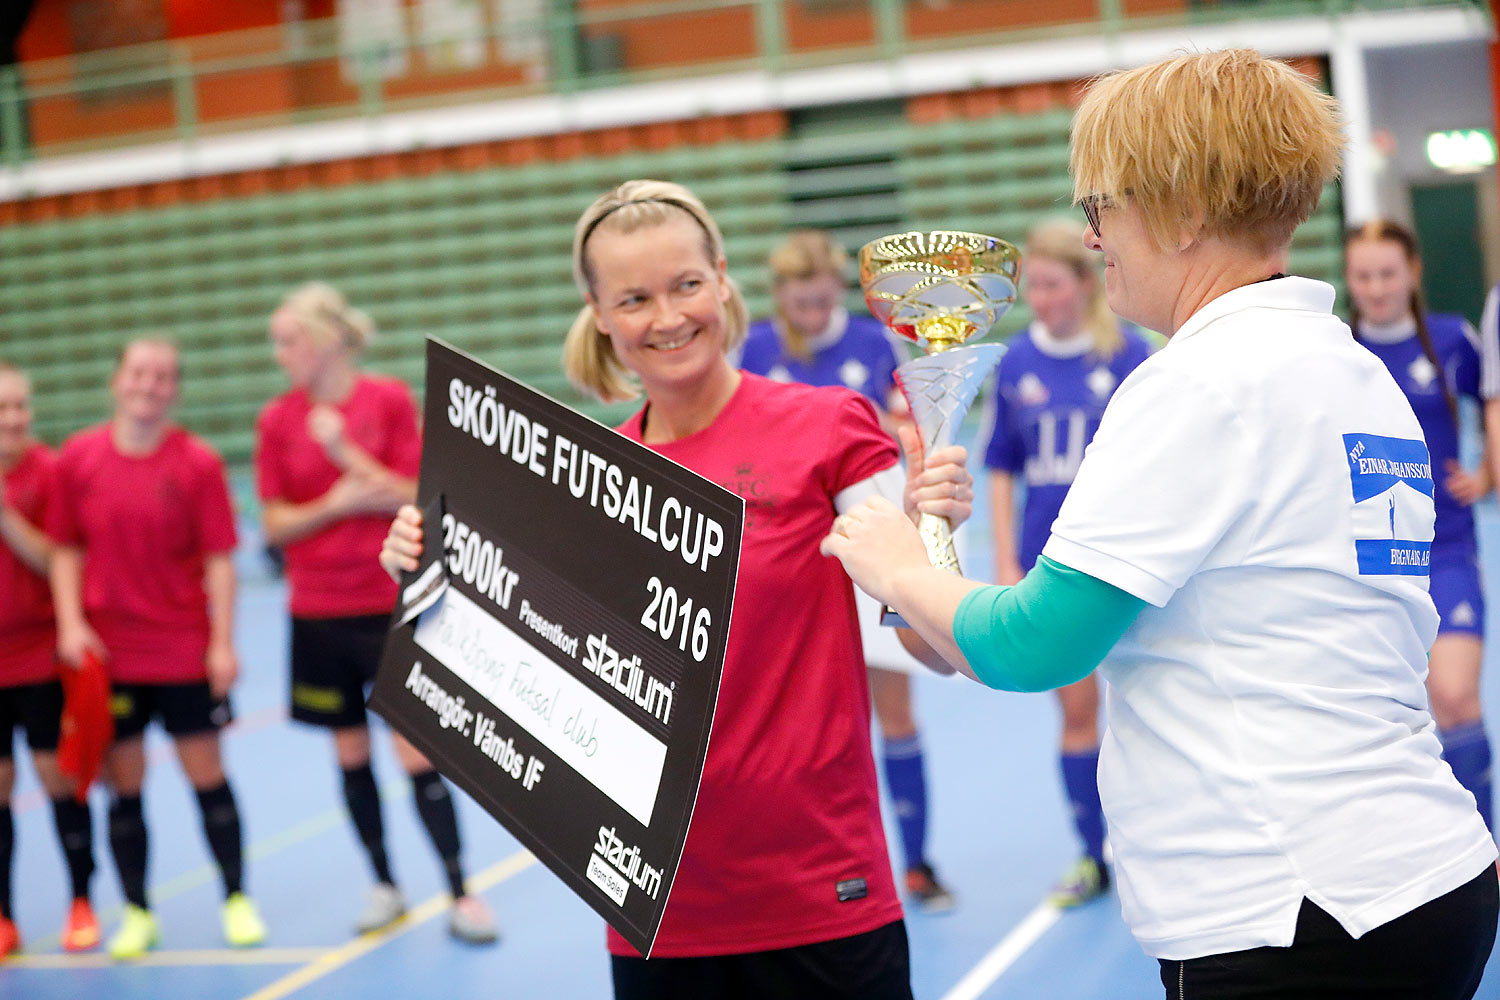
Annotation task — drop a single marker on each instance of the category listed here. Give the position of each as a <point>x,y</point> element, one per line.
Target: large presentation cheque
<point>557,655</point>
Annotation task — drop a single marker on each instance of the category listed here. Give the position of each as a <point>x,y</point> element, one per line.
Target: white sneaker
<point>383,906</point>
<point>472,921</point>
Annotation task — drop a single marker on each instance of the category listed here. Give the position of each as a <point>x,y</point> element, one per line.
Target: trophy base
<point>891,618</point>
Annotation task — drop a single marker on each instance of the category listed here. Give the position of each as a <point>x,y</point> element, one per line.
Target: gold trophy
<point>940,289</point>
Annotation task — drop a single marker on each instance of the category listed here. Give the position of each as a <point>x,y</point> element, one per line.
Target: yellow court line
<point>216,956</point>
<point>336,959</point>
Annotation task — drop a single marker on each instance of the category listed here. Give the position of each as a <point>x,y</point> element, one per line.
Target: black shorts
<point>36,708</point>
<point>875,965</point>
<point>333,661</point>
<point>182,709</point>
<point>1435,952</point>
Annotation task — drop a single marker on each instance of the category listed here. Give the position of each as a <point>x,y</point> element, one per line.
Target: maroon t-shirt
<point>788,807</point>
<point>335,572</point>
<point>28,639</point>
<point>145,524</point>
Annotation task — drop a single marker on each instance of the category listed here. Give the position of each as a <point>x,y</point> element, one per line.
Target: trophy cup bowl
<point>940,289</point>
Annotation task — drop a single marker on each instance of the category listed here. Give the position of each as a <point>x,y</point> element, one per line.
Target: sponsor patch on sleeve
<point>1391,482</point>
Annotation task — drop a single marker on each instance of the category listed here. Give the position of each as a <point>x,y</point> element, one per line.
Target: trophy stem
<point>937,533</point>
<point>939,388</point>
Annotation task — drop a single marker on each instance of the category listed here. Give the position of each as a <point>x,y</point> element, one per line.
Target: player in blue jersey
<point>1050,392</point>
<point>1434,358</point>
<point>814,340</point>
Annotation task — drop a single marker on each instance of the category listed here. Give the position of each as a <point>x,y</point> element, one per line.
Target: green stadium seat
<point>481,258</point>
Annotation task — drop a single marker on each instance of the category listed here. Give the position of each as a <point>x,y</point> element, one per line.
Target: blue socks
<point>1080,773</point>
<point>1466,748</point>
<point>908,786</point>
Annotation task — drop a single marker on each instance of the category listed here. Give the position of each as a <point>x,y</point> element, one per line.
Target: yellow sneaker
<point>1087,880</point>
<point>243,927</point>
<point>136,936</point>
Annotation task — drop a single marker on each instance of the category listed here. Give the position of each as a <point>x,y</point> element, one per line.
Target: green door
<point>1447,217</point>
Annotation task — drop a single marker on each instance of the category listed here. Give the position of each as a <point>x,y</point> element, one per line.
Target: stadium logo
<point>615,867</point>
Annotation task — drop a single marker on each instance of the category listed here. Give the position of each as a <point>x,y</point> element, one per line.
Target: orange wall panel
<point>678,40</point>
<point>67,119</point>
<point>425,84</point>
<point>245,94</point>
<point>973,17</point>
<point>811,28</point>
<point>1139,8</point>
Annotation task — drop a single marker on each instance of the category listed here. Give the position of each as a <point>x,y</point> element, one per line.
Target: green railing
<point>327,69</point>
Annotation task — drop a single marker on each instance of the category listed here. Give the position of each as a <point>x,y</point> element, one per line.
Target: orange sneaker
<point>10,938</point>
<point>81,932</point>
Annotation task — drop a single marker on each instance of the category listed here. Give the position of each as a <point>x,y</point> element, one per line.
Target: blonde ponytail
<point>590,363</point>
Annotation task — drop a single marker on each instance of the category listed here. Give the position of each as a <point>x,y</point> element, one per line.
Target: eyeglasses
<point>1090,205</point>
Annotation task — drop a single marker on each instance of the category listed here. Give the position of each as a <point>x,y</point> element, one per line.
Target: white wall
<point>1417,90</point>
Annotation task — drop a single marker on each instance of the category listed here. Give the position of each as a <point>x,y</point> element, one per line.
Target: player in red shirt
<point>335,457</point>
<point>142,577</point>
<point>30,695</point>
<point>785,886</point>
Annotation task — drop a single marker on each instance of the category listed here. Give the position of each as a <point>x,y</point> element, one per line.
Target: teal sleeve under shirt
<point>1050,630</point>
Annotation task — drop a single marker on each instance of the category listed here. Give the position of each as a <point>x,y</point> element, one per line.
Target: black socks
<point>363,799</point>
<point>435,806</point>
<point>75,832</point>
<point>221,826</point>
<point>127,841</point>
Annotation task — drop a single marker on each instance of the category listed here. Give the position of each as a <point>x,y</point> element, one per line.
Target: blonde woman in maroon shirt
<point>785,887</point>
<point>336,455</point>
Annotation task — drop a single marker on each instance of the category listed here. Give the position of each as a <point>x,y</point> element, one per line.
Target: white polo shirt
<point>1262,483</point>
<point>1489,346</point>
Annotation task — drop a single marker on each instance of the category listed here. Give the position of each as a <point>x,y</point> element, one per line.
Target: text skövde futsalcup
<point>694,535</point>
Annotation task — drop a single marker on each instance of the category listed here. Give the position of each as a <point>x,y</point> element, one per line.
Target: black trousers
<point>871,966</point>
<point>1435,952</point>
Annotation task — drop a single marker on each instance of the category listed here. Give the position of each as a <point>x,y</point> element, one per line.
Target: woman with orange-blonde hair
<point>1244,550</point>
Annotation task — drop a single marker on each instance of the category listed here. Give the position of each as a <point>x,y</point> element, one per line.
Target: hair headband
<point>638,201</point>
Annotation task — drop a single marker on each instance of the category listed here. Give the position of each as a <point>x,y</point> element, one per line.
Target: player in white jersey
<point>1247,539</point>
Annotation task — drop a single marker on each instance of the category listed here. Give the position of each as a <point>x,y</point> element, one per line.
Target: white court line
<point>1004,954</point>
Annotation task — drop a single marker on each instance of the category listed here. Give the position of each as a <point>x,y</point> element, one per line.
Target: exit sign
<point>1461,150</point>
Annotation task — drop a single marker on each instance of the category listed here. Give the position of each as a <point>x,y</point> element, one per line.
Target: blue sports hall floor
<point>999,835</point>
